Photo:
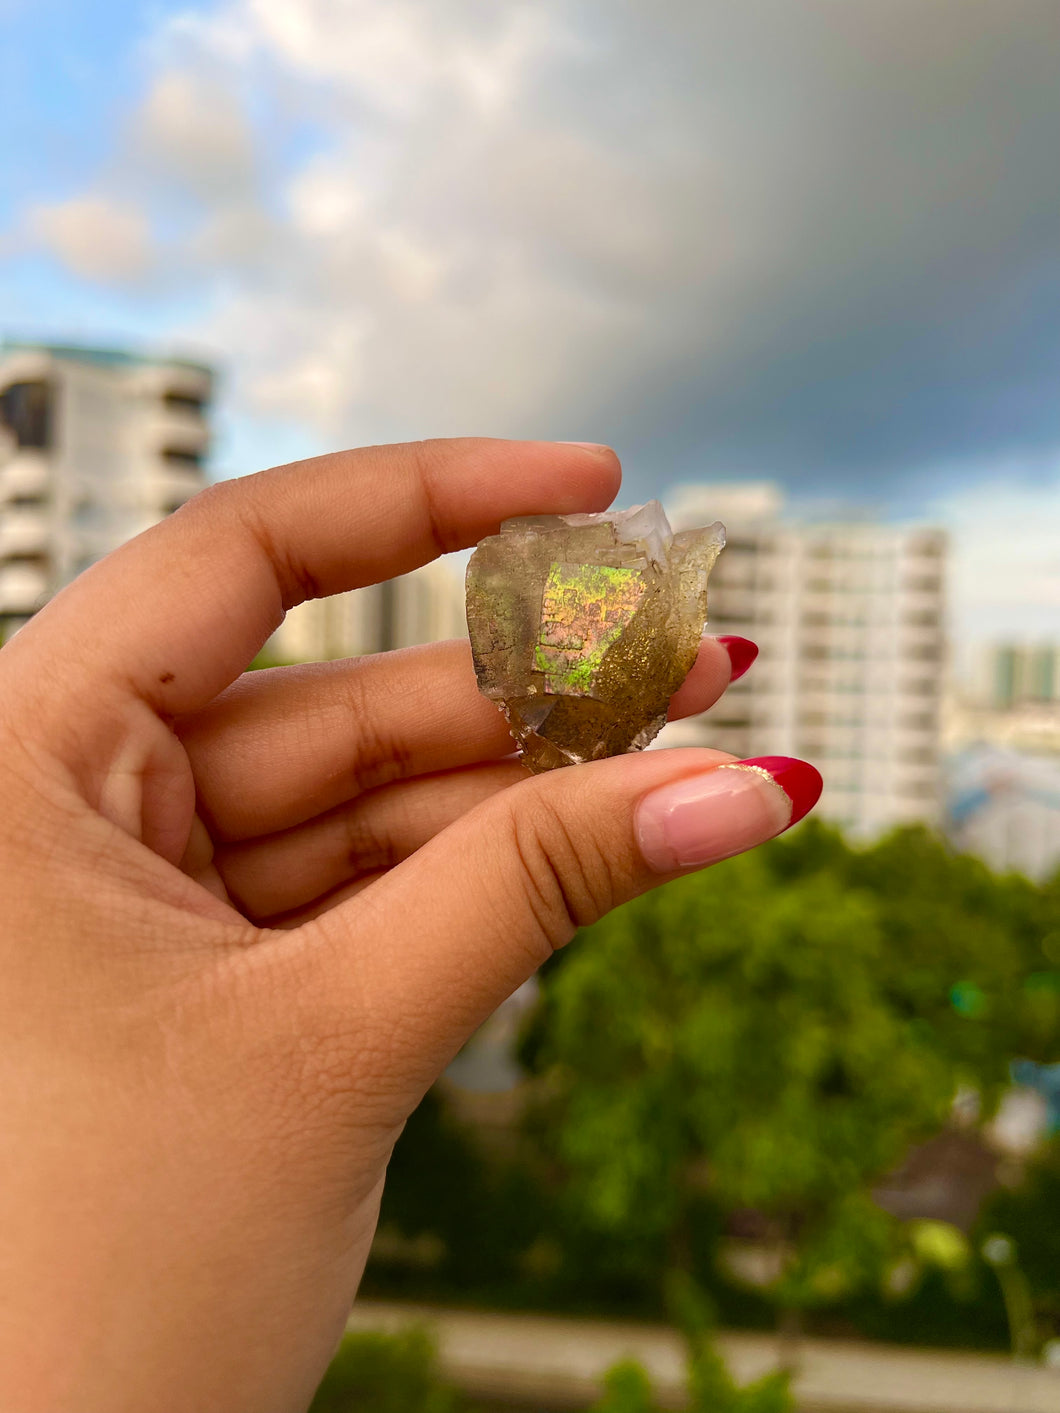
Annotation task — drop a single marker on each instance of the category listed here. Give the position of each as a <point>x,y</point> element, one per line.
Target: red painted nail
<point>799,780</point>
<point>742,653</point>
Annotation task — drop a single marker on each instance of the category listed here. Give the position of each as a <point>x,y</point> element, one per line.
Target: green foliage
<point>627,1390</point>
<point>265,660</point>
<point>777,1031</point>
<point>711,1388</point>
<point>773,1035</point>
<point>484,1214</point>
<point>384,1373</point>
<point>1029,1216</point>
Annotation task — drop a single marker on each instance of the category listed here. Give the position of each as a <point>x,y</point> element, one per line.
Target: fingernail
<point>742,653</point>
<point>799,780</point>
<point>586,446</point>
<point>703,818</point>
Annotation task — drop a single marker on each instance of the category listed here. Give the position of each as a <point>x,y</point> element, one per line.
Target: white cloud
<point>397,55</point>
<point>192,130</point>
<point>324,198</point>
<point>97,238</point>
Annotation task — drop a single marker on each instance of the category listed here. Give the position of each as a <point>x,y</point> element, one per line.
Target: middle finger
<point>282,746</point>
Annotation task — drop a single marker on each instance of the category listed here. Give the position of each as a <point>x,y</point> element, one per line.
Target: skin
<point>249,919</point>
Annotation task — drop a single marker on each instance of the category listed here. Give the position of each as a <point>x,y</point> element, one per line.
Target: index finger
<point>175,615</point>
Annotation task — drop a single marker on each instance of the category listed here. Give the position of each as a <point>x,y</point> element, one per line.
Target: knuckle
<point>430,463</point>
<point>368,840</point>
<point>297,581</point>
<point>381,755</point>
<point>568,878</point>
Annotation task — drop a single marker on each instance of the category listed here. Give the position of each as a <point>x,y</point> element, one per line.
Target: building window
<point>26,411</point>
<point>929,546</point>
<point>918,721</point>
<point>918,687</point>
<point>921,618</point>
<point>180,459</point>
<point>89,515</point>
<point>28,561</point>
<point>918,755</point>
<point>920,790</point>
<point>184,402</point>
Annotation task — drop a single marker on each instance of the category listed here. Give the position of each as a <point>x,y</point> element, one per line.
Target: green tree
<point>484,1211</point>
<point>1028,1218</point>
<point>385,1373</point>
<point>777,1031</point>
<point>711,1388</point>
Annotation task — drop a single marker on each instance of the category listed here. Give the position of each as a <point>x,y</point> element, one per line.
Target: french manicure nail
<point>799,780</point>
<point>742,653</point>
<point>703,818</point>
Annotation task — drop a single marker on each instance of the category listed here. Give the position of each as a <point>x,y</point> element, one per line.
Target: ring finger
<point>268,877</point>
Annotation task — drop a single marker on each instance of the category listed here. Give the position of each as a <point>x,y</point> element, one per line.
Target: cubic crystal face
<point>584,626</point>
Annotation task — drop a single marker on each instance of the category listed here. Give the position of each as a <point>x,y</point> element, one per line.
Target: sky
<point>810,241</point>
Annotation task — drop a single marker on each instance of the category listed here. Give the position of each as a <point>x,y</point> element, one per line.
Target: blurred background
<point>799,262</point>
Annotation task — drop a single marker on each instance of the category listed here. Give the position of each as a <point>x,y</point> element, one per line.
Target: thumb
<point>452,931</point>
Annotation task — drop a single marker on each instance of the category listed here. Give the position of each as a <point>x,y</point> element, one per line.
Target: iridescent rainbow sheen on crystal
<point>583,610</point>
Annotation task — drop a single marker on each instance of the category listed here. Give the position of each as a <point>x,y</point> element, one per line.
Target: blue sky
<point>816,243</point>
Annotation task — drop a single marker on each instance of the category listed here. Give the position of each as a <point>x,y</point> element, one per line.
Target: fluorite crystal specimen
<point>583,627</point>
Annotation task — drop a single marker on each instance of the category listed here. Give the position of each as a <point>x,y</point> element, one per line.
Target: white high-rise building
<point>849,620</point>
<point>425,606</point>
<point>95,446</point>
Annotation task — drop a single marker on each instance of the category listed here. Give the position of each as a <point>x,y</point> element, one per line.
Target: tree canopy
<point>778,1030</point>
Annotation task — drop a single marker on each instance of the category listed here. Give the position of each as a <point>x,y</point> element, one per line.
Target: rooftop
<point>101,357</point>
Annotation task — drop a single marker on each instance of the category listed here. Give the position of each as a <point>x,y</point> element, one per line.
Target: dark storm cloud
<point>892,173</point>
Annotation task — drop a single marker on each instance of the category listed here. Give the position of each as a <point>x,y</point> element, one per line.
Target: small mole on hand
<point>166,677</point>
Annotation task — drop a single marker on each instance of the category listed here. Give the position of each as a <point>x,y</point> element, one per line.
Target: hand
<point>250,918</point>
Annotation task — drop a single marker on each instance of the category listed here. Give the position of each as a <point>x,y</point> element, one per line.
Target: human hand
<point>248,919</point>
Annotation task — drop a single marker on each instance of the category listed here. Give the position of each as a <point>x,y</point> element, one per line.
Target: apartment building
<point>95,446</point>
<point>1020,674</point>
<point>849,620</point>
<point>425,606</point>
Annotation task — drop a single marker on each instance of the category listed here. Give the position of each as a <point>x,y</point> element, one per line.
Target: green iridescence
<point>584,609</point>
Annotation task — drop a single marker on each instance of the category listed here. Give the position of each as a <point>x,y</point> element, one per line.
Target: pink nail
<point>703,818</point>
<point>586,446</point>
